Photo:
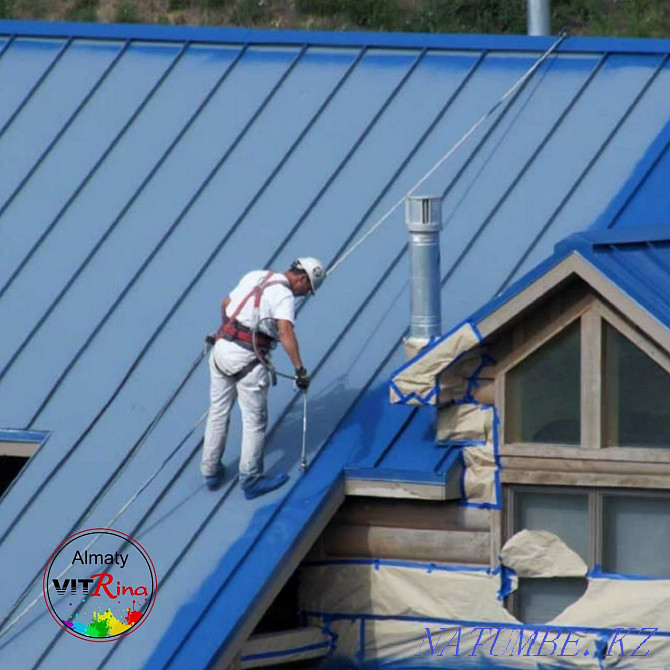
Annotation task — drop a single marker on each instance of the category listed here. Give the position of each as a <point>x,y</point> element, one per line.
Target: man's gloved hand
<point>302,379</point>
<point>210,339</point>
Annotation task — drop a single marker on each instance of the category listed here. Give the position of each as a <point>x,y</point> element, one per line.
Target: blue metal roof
<point>636,259</point>
<point>144,169</point>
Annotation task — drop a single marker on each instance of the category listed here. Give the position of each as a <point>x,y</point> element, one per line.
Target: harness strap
<point>235,331</point>
<point>253,291</point>
<point>240,374</point>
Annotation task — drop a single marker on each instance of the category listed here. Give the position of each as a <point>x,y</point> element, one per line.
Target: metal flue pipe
<point>423,217</point>
<point>539,17</point>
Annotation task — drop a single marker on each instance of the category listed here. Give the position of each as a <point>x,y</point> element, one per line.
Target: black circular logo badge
<point>100,584</point>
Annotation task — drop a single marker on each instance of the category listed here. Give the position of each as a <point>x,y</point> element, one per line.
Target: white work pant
<point>252,390</point>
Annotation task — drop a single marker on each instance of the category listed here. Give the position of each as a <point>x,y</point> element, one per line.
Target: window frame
<point>16,443</point>
<point>591,312</point>
<point>596,515</point>
<point>21,443</point>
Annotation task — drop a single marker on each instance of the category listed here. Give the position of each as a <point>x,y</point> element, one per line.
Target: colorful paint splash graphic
<point>105,624</point>
<point>99,595</point>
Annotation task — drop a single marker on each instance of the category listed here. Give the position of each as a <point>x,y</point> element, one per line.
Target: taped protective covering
<point>465,422</point>
<point>474,428</point>
<point>539,553</point>
<point>479,646</point>
<point>448,372</point>
<point>480,481</point>
<point>420,615</point>
<point>397,590</point>
<point>377,610</point>
<point>404,643</point>
<point>415,383</point>
<point>619,603</point>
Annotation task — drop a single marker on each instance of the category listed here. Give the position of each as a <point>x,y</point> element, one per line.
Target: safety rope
<point>529,73</point>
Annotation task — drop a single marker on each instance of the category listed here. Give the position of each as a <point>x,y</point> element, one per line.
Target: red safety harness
<point>234,331</point>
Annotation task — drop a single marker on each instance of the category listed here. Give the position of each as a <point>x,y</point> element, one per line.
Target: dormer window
<point>637,395</point>
<point>543,391</point>
<point>588,380</point>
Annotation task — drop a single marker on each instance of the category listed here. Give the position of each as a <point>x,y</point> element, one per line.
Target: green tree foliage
<point>632,18</point>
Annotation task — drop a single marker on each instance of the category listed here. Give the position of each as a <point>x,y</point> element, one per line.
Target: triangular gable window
<point>592,381</point>
<point>637,395</point>
<point>543,393</point>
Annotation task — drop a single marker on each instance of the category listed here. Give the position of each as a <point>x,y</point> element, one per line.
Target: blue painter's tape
<point>498,489</point>
<point>327,620</point>
<point>426,350</point>
<point>506,581</point>
<point>481,505</point>
<point>497,503</point>
<point>478,333</point>
<point>496,455</point>
<point>597,573</point>
<point>463,443</point>
<point>473,380</point>
<point>461,479</point>
<point>286,652</point>
<point>404,399</point>
<point>377,562</point>
<point>602,643</point>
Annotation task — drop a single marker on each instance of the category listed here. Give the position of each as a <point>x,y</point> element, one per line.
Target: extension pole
<point>303,456</point>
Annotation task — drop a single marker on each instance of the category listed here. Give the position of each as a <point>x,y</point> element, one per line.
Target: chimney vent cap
<point>423,214</point>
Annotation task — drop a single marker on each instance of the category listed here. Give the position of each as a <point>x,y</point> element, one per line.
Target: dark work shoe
<point>212,482</point>
<point>264,484</point>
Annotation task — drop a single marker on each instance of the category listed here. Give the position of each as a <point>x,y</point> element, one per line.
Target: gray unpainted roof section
<point>145,169</point>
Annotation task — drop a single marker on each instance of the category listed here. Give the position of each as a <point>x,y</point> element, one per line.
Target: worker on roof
<point>258,311</point>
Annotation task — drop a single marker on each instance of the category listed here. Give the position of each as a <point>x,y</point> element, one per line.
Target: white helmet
<point>314,269</point>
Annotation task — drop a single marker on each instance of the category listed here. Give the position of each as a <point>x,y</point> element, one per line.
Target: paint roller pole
<point>303,456</point>
<point>424,221</point>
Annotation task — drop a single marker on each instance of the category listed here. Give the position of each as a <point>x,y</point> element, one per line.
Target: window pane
<point>636,535</point>
<point>565,515</point>
<point>540,600</point>
<point>636,395</point>
<point>543,393</point>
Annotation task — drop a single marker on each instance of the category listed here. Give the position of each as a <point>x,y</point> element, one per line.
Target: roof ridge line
<point>592,239</point>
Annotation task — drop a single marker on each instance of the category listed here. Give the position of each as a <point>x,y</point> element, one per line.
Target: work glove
<point>210,339</point>
<point>302,379</point>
